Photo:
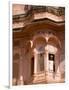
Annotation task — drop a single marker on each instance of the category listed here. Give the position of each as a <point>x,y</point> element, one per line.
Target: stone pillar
<point>57,60</point>
<point>46,65</point>
<point>35,62</point>
<point>46,61</point>
<point>20,82</point>
<point>57,65</point>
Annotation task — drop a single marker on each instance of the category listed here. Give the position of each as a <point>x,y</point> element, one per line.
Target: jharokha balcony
<point>38,44</point>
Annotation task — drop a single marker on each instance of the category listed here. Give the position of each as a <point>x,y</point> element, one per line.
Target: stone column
<point>46,61</point>
<point>20,82</point>
<point>57,60</point>
<point>35,63</point>
<point>57,65</point>
<point>46,64</point>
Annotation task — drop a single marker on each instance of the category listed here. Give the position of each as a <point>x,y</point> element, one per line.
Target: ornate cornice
<point>56,14</point>
<point>58,11</point>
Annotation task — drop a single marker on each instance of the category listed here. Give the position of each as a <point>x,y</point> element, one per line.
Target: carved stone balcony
<point>46,77</point>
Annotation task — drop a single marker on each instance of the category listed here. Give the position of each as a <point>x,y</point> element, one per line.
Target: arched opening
<point>54,41</point>
<point>54,55</point>
<point>39,50</point>
<point>39,43</point>
<point>46,57</point>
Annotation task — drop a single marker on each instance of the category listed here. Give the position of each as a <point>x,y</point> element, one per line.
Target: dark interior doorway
<point>52,58</point>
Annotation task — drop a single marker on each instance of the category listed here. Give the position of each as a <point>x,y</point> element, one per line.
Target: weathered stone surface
<point>38,32</point>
